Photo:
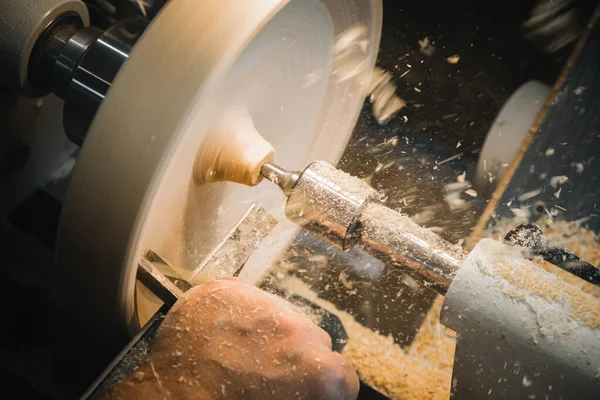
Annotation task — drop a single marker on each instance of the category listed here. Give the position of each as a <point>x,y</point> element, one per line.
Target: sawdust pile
<point>421,371</point>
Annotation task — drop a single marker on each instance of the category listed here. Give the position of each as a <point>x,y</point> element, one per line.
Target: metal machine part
<point>132,188</point>
<point>531,237</point>
<point>22,22</point>
<point>396,240</point>
<point>160,285</point>
<point>544,332</point>
<point>228,258</point>
<point>86,68</point>
<point>79,66</point>
<point>63,56</point>
<point>323,203</point>
<point>345,211</point>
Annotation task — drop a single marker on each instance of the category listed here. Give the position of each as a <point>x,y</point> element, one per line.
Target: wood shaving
<point>453,59</point>
<point>426,47</point>
<point>471,192</point>
<point>579,167</point>
<point>142,5</point>
<point>383,97</point>
<point>529,195</point>
<point>558,180</point>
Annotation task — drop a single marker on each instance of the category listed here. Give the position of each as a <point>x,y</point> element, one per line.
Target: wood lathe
<point>179,116</point>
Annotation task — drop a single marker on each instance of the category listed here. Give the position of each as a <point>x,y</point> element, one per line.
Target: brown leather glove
<point>229,340</point>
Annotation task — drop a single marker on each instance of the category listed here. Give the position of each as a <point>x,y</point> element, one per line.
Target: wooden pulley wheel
<point>299,68</point>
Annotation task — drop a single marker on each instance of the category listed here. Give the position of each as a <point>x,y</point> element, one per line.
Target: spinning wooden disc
<point>298,68</point>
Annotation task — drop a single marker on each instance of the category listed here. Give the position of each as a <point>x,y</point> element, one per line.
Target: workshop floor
<point>42,357</point>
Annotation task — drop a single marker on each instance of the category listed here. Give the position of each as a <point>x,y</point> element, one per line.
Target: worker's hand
<point>229,340</point>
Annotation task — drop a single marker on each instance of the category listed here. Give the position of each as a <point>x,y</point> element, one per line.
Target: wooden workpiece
<point>136,185</point>
<point>233,151</point>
